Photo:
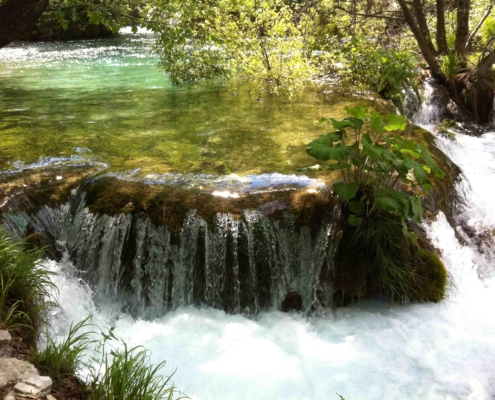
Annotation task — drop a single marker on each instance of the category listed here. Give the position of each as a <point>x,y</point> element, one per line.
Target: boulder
<point>5,340</point>
<point>12,369</point>
<point>35,386</point>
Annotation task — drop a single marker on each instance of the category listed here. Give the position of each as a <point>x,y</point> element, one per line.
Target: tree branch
<point>478,26</point>
<point>422,24</point>
<point>376,15</point>
<point>485,65</point>
<point>428,55</point>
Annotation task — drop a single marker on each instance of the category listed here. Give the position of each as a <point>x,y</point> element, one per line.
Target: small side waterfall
<point>430,113</point>
<point>240,264</point>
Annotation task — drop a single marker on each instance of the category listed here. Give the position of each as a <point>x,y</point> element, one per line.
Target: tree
<point>469,85</point>
<point>17,17</point>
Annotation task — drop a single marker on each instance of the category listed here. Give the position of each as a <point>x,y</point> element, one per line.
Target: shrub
<point>377,241</point>
<point>25,288</point>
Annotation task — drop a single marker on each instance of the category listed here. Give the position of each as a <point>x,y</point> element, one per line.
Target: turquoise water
<point>107,101</point>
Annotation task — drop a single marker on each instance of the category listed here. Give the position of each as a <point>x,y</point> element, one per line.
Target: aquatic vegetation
<point>384,177</point>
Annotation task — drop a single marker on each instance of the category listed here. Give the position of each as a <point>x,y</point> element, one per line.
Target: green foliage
<point>373,157</point>
<point>256,41</point>
<point>128,374</point>
<point>449,65</point>
<point>25,288</point>
<point>372,66</point>
<point>488,29</point>
<point>61,360</point>
<point>71,18</point>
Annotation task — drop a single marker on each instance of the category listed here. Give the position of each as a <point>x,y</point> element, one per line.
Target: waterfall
<point>240,265</point>
<point>429,114</point>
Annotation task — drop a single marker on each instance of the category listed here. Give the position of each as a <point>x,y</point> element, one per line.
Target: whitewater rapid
<point>372,351</point>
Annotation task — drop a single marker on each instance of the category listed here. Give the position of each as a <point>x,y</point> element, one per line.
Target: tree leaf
<point>395,123</point>
<point>346,191</point>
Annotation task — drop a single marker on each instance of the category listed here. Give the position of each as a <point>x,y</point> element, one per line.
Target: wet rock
<point>292,302</point>
<point>35,385</point>
<point>457,113</point>
<point>12,369</point>
<point>5,340</point>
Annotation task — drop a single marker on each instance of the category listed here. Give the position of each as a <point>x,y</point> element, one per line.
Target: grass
<point>394,261</point>
<point>25,289</point>
<point>62,360</point>
<point>127,373</point>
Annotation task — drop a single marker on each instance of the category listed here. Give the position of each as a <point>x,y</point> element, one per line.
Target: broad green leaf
<point>346,191</point>
<point>395,123</point>
<point>321,120</point>
<point>356,123</point>
<point>393,201</point>
<point>377,122</point>
<point>356,207</point>
<point>417,209</point>
<point>428,159</point>
<point>354,220</point>
<point>358,112</point>
<point>409,147</point>
<point>342,124</point>
<point>323,149</point>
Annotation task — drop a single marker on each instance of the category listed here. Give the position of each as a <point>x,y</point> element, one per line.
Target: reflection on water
<point>107,101</point>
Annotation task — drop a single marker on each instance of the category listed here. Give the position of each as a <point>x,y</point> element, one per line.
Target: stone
<point>5,340</point>
<point>292,302</point>
<point>50,397</point>
<point>35,385</point>
<point>12,369</point>
<point>10,396</point>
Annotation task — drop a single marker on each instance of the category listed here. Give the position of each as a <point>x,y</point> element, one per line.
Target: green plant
<point>378,250</point>
<point>61,360</point>
<point>127,373</point>
<point>25,288</point>
<point>450,65</point>
<point>372,160</point>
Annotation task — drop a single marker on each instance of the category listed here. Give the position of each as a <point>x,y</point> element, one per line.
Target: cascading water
<point>374,351</point>
<point>240,265</point>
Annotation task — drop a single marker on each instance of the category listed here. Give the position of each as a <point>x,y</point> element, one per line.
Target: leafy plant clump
<point>25,288</point>
<point>385,174</point>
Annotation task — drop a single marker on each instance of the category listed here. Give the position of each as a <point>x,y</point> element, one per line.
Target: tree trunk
<point>462,31</point>
<point>441,35</point>
<point>428,55</point>
<point>17,17</point>
<point>422,24</point>
<point>485,65</point>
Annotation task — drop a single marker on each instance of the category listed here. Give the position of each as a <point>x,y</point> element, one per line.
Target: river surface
<point>107,101</point>
<point>132,118</point>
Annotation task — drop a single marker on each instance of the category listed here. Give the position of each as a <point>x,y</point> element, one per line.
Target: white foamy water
<point>373,351</point>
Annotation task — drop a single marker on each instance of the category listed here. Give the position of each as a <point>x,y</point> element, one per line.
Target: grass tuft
<point>25,289</point>
<point>62,360</point>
